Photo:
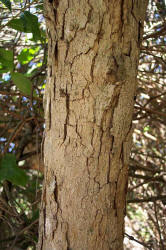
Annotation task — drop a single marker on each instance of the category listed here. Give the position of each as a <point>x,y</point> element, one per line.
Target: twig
<point>139,242</point>
<point>158,227</point>
<point>149,199</point>
<point>16,132</point>
<point>22,231</point>
<point>156,34</point>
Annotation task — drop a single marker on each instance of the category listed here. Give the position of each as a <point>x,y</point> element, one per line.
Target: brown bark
<point>92,68</point>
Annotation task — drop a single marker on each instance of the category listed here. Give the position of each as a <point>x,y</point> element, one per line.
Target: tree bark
<point>92,67</point>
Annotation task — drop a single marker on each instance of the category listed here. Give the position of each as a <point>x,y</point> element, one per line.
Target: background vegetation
<point>23,62</point>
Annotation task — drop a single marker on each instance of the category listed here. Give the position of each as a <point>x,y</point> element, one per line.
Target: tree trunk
<point>92,66</point>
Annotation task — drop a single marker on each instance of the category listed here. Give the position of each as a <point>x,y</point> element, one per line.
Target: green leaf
<point>7,3</point>
<point>6,54</point>
<point>27,55</point>
<point>22,83</point>
<point>6,60</point>
<point>146,129</point>
<point>3,69</point>
<point>17,25</point>
<point>11,172</point>
<point>32,23</point>
<point>39,6</point>
<point>27,23</point>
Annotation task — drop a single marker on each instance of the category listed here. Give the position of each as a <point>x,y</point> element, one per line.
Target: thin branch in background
<point>22,231</point>
<point>139,242</point>
<point>156,34</point>
<point>16,132</point>
<point>6,93</point>
<point>158,227</point>
<point>148,199</point>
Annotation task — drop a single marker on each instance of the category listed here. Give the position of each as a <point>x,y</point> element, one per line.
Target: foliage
<point>7,3</point>
<point>11,172</point>
<point>23,59</point>
<point>23,54</point>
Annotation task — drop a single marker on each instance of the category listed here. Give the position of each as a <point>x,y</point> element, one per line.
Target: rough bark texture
<point>92,68</point>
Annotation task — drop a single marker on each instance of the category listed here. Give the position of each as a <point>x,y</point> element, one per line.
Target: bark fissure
<point>65,94</point>
<point>109,160</point>
<point>63,23</point>
<point>54,87</point>
<point>56,191</point>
